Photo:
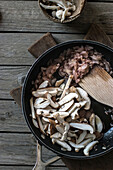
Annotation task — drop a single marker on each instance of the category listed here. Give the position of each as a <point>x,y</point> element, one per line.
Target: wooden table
<point>21,23</point>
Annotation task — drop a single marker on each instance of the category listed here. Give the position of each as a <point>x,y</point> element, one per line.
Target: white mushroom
<point>84,143</point>
<point>75,114</point>
<point>44,84</point>
<point>89,147</point>
<point>41,92</point>
<point>52,103</point>
<point>72,134</point>
<point>42,111</point>
<point>76,105</point>
<point>92,121</point>
<point>52,7</point>
<point>67,86</point>
<point>43,105</point>
<point>60,128</point>
<point>98,124</point>
<point>61,114</point>
<point>35,123</point>
<point>38,101</point>
<point>77,146</point>
<point>66,106</point>
<point>67,98</point>
<point>84,95</point>
<point>56,135</point>
<point>83,126</point>
<point>81,137</point>
<point>66,128</point>
<point>60,3</point>
<point>65,13</point>
<point>45,119</point>
<point>92,136</point>
<point>40,124</point>
<point>32,108</point>
<point>63,144</point>
<point>59,13</point>
<point>59,82</point>
<point>62,86</point>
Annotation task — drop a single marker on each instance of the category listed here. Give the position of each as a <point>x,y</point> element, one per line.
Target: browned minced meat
<point>78,61</point>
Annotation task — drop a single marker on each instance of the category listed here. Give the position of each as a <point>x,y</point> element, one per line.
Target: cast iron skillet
<point>54,52</point>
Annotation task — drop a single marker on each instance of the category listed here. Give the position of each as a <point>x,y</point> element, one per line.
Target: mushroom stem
<point>67,86</point>
<point>54,7</point>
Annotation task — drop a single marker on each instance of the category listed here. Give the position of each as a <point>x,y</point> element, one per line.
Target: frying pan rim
<point>61,153</point>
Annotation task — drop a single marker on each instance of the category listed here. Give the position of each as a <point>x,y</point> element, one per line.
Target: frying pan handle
<point>40,165</point>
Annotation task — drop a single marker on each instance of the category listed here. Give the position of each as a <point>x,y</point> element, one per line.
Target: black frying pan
<point>54,52</point>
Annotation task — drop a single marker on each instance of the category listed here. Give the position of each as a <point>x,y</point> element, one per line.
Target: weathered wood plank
<point>13,47</point>
<point>11,117</point>
<point>9,79</point>
<point>20,149</point>
<point>30,167</point>
<point>25,16</point>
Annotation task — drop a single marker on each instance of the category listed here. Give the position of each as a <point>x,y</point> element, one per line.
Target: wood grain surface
<point>21,24</point>
<point>25,16</point>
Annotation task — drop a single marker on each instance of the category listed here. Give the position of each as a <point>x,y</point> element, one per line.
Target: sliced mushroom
<point>32,108</point>
<point>92,136</point>
<point>66,106</point>
<point>35,123</point>
<point>84,95</point>
<point>83,126</point>
<point>72,89</point>
<point>62,86</point>
<point>71,134</point>
<point>84,143</point>
<point>60,128</point>
<point>75,105</point>
<point>66,128</point>
<point>63,144</point>
<point>77,146</point>
<point>98,124</point>
<point>45,126</point>
<point>52,103</point>
<point>59,118</point>
<point>38,101</point>
<point>61,114</point>
<point>59,82</point>
<point>67,86</point>
<point>56,135</point>
<point>67,98</point>
<point>81,137</point>
<point>40,124</point>
<point>44,84</point>
<point>42,112</point>
<point>43,91</point>
<point>43,105</point>
<point>75,114</point>
<point>92,121</point>
<point>48,130</point>
<point>89,147</point>
<point>45,119</point>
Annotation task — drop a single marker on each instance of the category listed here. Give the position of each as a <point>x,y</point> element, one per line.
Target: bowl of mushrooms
<point>61,114</point>
<point>62,11</point>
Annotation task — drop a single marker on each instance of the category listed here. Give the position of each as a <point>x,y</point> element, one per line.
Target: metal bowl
<point>79,4</point>
<point>54,52</point>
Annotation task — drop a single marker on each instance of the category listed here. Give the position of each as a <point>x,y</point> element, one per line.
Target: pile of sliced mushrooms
<point>56,112</point>
<point>60,9</point>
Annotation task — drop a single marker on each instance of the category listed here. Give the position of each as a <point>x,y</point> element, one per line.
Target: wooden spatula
<point>99,85</point>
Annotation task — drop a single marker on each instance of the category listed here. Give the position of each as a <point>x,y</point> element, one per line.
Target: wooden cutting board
<point>97,34</point>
